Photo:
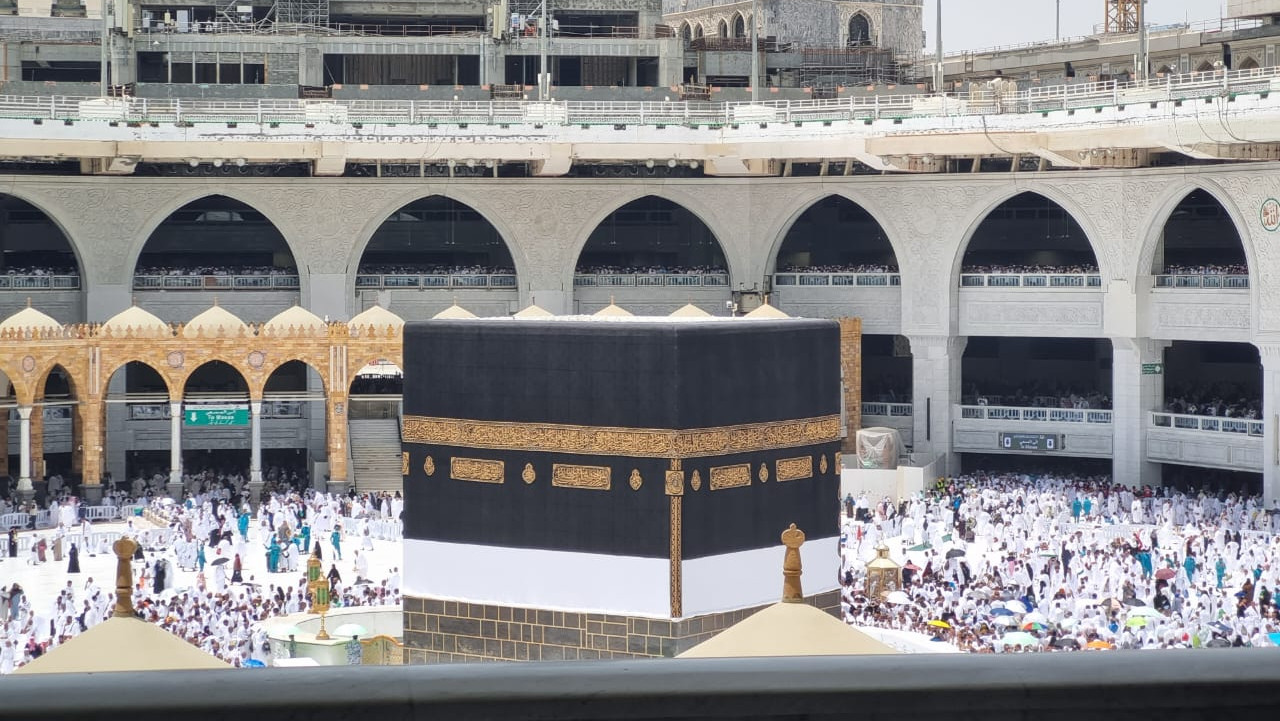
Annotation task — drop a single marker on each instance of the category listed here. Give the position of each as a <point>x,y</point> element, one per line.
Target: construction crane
<point>1122,16</point>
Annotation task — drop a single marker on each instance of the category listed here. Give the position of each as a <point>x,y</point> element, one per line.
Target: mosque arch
<point>859,30</point>
<point>723,29</point>
<point>829,231</point>
<point>651,231</point>
<point>1034,230</point>
<point>213,379</point>
<point>32,239</point>
<point>435,233</point>
<point>698,31</point>
<point>1248,63</point>
<point>686,31</point>
<point>216,233</point>
<point>739,25</point>
<point>1195,226</point>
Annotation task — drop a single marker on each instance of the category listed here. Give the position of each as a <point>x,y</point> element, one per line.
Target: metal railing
<point>652,280</point>
<point>893,410</point>
<point>861,280</point>
<point>1035,415</point>
<point>1209,280</point>
<point>1031,280</point>
<point>160,411</point>
<point>39,282</point>
<point>215,282</point>
<point>392,282</point>
<point>1212,424</point>
<point>569,113</point>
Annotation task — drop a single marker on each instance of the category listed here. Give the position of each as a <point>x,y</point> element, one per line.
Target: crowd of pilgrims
<point>1036,394</point>
<point>216,270</point>
<point>600,269</point>
<point>432,269</point>
<point>211,534</point>
<point>843,268</point>
<point>1207,269</point>
<point>1037,269</point>
<point>1026,563</point>
<point>1221,399</point>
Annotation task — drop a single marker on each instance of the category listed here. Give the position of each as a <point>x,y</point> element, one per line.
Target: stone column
<point>25,490</point>
<point>175,450</point>
<point>90,444</point>
<point>1134,396</point>
<point>1271,424</point>
<point>77,439</point>
<point>255,452</point>
<point>336,447</point>
<point>935,384</point>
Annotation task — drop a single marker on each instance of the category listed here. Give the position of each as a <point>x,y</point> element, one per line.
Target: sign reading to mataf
<point>577,451</point>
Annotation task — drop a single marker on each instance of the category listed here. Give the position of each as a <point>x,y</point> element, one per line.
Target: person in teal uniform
<point>243,523</point>
<point>273,556</point>
<point>1220,568</point>
<point>200,557</point>
<point>336,539</point>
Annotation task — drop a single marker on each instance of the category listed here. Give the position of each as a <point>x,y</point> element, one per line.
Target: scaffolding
<point>302,12</point>
<point>828,68</point>
<point>1122,16</point>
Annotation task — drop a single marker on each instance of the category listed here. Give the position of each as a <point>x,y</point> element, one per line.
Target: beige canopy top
<point>123,644</point>
<point>788,629</point>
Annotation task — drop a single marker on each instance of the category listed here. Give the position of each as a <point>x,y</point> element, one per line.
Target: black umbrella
<point>955,553</point>
<point>1134,602</point>
<point>1066,643</point>
<point>1218,643</point>
<point>218,561</point>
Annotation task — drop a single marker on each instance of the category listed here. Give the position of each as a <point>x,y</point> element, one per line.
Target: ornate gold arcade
<point>90,354</point>
<point>609,441</point>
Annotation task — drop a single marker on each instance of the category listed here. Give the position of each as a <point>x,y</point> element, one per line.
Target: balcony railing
<point>1212,424</point>
<point>860,280</point>
<point>160,411</point>
<point>1202,281</point>
<point>652,280</point>
<point>39,282</point>
<point>1035,415</point>
<point>215,282</point>
<point>1031,280</point>
<point>501,281</point>
<point>893,410</point>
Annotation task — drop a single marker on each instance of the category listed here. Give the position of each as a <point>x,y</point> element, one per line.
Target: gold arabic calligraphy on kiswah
<point>644,442</point>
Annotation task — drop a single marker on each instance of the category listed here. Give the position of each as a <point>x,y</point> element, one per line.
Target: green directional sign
<point>1152,369</point>
<point>216,415</point>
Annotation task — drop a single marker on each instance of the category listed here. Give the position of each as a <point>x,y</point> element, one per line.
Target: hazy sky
<point>971,24</point>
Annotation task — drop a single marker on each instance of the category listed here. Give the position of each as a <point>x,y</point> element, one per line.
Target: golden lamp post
<point>318,586</point>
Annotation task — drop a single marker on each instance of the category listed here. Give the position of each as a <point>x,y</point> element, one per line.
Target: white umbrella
<point>1035,617</point>
<point>898,598</point>
<point>1005,621</point>
<point>1015,606</point>
<point>1145,612</point>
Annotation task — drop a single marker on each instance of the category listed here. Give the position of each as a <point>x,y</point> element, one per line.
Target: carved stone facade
<point>809,23</point>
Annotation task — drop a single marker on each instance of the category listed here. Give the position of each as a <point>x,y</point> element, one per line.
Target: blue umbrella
<point>1275,637</point>
<point>254,663</point>
<point>1001,612</point>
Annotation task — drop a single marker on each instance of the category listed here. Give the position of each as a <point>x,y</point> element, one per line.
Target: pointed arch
<point>215,377</point>
<point>1204,67</point>
<point>1059,220</point>
<point>39,241</point>
<point>699,31</point>
<point>475,207</point>
<point>110,371</point>
<point>693,240</point>
<point>1195,193</point>
<point>220,230</point>
<point>722,29</point>
<point>1249,63</point>
<point>686,31</point>
<point>739,25</point>
<point>830,228</point>
<point>859,31</point>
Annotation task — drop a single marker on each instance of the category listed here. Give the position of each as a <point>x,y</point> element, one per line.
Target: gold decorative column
<point>851,375</point>
<point>675,494</point>
<point>91,439</point>
<point>336,432</point>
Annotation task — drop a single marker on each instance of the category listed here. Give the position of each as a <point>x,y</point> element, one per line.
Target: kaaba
<point>602,488</point>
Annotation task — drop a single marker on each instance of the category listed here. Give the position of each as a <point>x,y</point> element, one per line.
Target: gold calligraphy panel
<point>595,478</point>
<point>730,476</point>
<point>637,442</point>
<point>793,469</point>
<point>475,469</point>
